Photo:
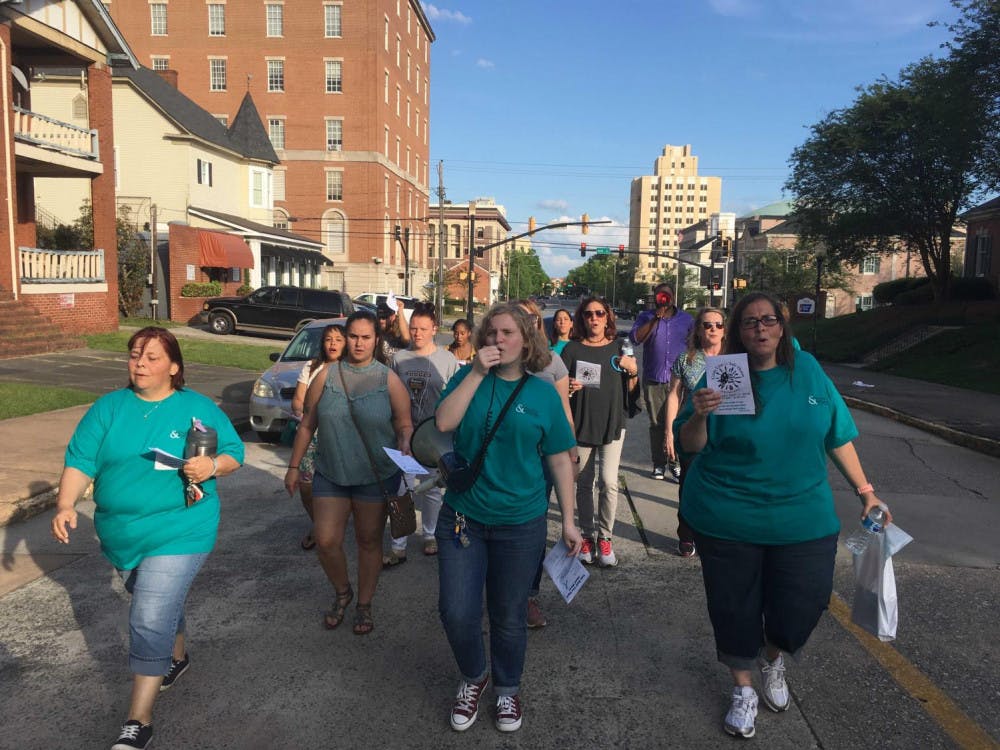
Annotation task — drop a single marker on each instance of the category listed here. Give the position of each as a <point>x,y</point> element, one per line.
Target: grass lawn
<point>965,358</point>
<point>243,356</point>
<point>22,399</point>
<point>143,322</point>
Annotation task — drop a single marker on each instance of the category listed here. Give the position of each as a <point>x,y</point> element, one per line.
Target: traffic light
<point>531,225</point>
<point>621,252</point>
<point>585,229</point>
<point>727,247</point>
<point>396,233</point>
<point>583,249</point>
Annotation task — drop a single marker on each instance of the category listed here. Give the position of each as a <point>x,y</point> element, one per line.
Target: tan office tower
<point>343,89</point>
<point>663,204</point>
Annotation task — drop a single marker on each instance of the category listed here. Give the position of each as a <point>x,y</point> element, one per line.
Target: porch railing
<point>49,133</point>
<point>41,266</point>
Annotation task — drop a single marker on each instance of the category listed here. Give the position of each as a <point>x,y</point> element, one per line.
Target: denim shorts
<point>159,587</point>
<point>360,493</point>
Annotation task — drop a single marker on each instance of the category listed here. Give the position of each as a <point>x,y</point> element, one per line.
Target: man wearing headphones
<point>663,333</point>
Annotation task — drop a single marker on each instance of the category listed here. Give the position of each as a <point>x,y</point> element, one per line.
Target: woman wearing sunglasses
<point>758,499</point>
<point>596,367</point>
<point>705,340</point>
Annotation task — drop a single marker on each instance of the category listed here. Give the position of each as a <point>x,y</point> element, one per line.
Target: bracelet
<point>863,489</point>
<point>215,467</point>
<point>294,466</point>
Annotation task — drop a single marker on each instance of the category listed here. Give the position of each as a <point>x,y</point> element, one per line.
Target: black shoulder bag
<point>457,474</point>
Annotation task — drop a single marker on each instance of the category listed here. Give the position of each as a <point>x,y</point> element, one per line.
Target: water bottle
<point>870,526</point>
<point>627,349</point>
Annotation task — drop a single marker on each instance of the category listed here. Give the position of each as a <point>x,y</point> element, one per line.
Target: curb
<point>980,444</point>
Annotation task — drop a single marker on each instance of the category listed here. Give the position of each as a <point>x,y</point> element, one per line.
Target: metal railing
<point>42,266</point>
<point>50,133</point>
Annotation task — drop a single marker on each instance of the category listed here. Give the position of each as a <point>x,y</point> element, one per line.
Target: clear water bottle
<point>627,349</point>
<point>870,526</point>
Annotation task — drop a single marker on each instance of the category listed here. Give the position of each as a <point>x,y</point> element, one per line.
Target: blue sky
<point>553,107</point>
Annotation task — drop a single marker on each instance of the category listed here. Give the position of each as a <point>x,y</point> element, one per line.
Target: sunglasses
<point>709,326</point>
<point>594,313</point>
<point>768,321</point>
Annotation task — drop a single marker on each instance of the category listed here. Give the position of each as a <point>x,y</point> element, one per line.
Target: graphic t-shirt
<point>141,511</point>
<point>424,376</point>
<point>511,487</point>
<point>763,478</point>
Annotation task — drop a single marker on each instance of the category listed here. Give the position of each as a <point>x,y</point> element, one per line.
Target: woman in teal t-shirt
<point>493,534</point>
<point>150,528</point>
<point>758,500</point>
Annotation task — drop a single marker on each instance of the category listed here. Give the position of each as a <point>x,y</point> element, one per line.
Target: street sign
<point>602,250</point>
<point>805,306</point>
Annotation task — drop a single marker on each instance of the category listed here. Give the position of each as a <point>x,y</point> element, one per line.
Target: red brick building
<point>983,232</point>
<point>343,88</point>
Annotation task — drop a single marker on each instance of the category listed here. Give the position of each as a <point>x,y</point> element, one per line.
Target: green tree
<point>786,273</point>
<point>897,165</point>
<point>523,276</point>
<point>610,277</point>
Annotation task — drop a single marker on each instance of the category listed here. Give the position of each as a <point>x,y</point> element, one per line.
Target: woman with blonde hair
<point>705,340</point>
<point>491,531</point>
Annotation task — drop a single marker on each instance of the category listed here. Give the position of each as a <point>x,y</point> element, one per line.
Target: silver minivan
<point>271,396</point>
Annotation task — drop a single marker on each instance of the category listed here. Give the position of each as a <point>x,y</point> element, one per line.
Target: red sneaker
<point>466,708</point>
<point>587,551</point>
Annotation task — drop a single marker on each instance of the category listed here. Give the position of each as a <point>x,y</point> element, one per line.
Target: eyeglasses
<point>709,326</point>
<point>594,313</point>
<point>768,321</point>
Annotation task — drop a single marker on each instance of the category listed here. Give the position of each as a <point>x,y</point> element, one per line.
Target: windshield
<point>304,346</point>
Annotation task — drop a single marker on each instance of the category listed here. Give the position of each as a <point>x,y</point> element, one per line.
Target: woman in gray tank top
<point>359,399</point>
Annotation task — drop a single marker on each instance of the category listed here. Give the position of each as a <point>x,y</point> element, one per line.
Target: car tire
<point>221,323</point>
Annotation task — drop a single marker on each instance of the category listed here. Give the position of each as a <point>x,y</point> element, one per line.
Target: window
<point>279,219</point>
<point>333,232</point>
<point>275,19</point>
<point>217,75</point>
<point>204,169</point>
<point>983,255</point>
<point>386,145</point>
<point>276,131</point>
<point>334,185</point>
<point>334,76</point>
<point>161,63</point>
<point>158,19</point>
<point>407,111</point>
<point>216,19</point>
<point>223,120</point>
<point>865,302</point>
<point>398,96</point>
<point>334,135</point>
<point>416,124</point>
<point>408,56</point>
<point>276,75</point>
<point>870,265</point>
<point>331,21</point>
<point>386,87</point>
<point>418,76</point>
<point>399,44</point>
<point>425,91</point>
<point>260,188</point>
<point>385,39</point>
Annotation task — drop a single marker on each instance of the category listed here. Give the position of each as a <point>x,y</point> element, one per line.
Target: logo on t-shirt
<point>818,400</point>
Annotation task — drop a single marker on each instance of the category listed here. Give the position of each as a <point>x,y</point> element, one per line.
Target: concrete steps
<point>23,331</point>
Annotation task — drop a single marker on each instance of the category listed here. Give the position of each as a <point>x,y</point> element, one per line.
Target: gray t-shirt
<point>425,376</point>
<point>554,371</point>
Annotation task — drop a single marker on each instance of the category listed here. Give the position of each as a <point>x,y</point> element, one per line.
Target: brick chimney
<point>170,76</point>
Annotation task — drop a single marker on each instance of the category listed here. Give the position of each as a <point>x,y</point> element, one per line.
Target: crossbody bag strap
<point>361,434</point>
<point>478,463</point>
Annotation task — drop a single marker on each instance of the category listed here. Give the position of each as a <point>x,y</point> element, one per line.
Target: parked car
<point>274,308</point>
<point>271,396</point>
<point>374,298</point>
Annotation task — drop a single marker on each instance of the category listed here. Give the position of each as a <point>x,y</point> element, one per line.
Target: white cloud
<point>553,204</point>
<point>482,62</point>
<point>559,249</point>
<point>435,13</point>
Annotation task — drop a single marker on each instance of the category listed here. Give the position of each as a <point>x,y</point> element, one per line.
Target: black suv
<point>274,308</point>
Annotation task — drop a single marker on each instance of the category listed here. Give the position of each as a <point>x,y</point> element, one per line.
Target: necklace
<point>146,415</point>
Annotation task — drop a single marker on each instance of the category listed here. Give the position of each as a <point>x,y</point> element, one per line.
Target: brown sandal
<point>332,619</point>
<point>363,622</point>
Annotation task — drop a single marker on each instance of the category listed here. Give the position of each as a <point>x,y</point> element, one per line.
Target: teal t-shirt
<point>141,510</point>
<point>763,478</point>
<point>511,487</point>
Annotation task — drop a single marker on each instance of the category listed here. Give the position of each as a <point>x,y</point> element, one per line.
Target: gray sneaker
<point>742,712</point>
<point>772,674</point>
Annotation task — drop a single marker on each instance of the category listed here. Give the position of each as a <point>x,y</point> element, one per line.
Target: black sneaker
<point>177,668</point>
<point>134,735</point>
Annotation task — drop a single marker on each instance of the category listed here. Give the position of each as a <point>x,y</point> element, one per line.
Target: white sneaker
<point>586,554</point>
<point>772,674</point>
<point>742,712</point>
<point>606,557</point>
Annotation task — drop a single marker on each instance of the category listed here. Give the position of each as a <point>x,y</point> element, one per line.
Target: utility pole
<point>403,238</point>
<point>153,301</point>
<point>472,261</point>
<point>442,237</point>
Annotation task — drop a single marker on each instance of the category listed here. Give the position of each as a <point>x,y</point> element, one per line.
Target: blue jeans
<point>504,560</point>
<point>159,586</point>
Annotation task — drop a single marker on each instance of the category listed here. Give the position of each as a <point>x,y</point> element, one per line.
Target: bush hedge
<point>886,292</point>
<point>202,289</point>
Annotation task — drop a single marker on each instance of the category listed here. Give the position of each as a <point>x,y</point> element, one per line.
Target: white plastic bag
<point>876,608</point>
